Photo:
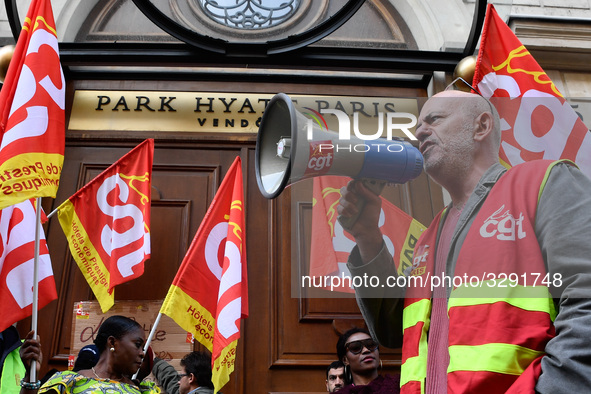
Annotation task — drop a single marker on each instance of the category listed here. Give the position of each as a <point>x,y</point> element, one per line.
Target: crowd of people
<point>115,363</point>
<point>110,363</point>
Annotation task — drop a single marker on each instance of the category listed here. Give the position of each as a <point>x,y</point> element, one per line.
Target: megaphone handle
<point>376,186</point>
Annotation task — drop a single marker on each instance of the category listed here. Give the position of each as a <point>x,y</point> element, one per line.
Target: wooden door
<point>286,342</point>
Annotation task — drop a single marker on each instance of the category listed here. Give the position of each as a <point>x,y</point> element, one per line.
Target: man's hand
<point>365,230</point>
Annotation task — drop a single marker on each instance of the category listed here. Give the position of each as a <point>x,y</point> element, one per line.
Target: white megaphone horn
<point>291,147</point>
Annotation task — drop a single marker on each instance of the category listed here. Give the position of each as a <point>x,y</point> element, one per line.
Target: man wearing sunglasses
<point>515,238</point>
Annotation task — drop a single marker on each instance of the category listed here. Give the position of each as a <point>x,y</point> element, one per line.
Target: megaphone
<point>291,147</point>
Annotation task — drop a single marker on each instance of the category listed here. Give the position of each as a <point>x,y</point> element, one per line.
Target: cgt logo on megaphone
<point>402,121</point>
<point>320,159</point>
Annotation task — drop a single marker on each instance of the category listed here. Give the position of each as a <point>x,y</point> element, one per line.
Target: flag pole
<point>52,213</point>
<point>33,372</point>
<point>149,340</point>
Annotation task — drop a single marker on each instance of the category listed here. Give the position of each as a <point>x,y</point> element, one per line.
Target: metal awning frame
<point>294,52</point>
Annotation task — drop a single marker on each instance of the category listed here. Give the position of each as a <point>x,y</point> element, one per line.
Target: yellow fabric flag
<point>209,294</point>
<point>107,223</point>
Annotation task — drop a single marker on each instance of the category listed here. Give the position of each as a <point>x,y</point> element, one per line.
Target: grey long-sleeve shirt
<point>563,230</point>
<point>166,376</point>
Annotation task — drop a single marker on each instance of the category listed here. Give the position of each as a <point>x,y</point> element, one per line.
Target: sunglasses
<point>182,375</point>
<point>453,86</point>
<point>356,347</point>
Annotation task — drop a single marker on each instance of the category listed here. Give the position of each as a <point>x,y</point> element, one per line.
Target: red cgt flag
<point>331,245</point>
<point>32,118</point>
<point>17,253</point>
<point>107,223</point>
<point>536,120</point>
<point>209,294</point>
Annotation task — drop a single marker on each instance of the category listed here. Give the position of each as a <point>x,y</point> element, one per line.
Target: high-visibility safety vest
<point>500,310</point>
<point>13,371</point>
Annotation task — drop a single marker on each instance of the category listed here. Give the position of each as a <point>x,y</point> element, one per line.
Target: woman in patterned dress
<point>120,341</point>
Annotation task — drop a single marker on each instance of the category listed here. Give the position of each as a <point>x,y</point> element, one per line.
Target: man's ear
<point>192,379</point>
<point>484,126</point>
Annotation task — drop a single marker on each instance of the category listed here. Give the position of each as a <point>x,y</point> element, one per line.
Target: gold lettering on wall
<point>97,110</point>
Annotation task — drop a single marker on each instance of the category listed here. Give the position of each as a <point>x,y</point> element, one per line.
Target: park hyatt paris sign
<point>209,112</point>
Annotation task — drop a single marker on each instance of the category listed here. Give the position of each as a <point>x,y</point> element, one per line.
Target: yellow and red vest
<point>501,313</point>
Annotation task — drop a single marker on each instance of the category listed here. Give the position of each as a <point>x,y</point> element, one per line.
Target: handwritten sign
<point>170,342</point>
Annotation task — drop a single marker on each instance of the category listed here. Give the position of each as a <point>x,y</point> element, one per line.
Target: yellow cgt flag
<point>32,117</point>
<point>107,223</point>
<point>209,294</point>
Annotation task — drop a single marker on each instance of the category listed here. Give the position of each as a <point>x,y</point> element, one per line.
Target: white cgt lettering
<point>230,313</point>
<point>35,124</point>
<point>38,39</point>
<point>553,143</point>
<point>20,279</point>
<point>503,225</point>
<point>112,239</point>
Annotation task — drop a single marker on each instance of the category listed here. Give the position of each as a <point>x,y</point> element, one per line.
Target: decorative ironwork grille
<point>250,14</point>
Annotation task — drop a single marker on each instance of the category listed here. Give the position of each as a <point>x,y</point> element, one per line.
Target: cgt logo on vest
<point>503,225</point>
<point>419,261</point>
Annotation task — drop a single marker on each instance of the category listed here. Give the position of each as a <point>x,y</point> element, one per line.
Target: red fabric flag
<point>209,294</point>
<point>536,120</point>
<point>32,117</point>
<point>107,223</point>
<point>331,245</point>
<point>17,254</point>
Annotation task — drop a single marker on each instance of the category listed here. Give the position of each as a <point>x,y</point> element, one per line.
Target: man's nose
<point>422,132</point>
